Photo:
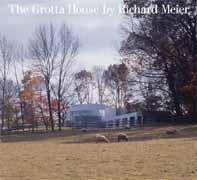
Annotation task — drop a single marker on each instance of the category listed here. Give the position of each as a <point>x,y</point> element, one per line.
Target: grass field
<point>77,157</point>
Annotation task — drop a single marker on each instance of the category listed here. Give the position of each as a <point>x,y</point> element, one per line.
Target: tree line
<point>51,53</point>
<point>157,70</point>
<point>161,51</point>
<point>40,82</point>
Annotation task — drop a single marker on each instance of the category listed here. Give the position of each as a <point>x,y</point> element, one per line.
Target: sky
<point>99,33</point>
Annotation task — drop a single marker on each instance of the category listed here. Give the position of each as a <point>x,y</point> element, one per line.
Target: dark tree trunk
<point>3,107</point>
<point>22,115</point>
<point>59,101</point>
<point>50,109</point>
<point>174,94</point>
<point>194,34</point>
<point>59,115</point>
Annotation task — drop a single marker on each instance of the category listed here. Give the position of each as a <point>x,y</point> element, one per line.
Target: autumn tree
<point>29,98</point>
<point>43,48</point>
<point>163,47</point>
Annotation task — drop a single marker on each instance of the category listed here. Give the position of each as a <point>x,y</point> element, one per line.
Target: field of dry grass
<point>57,158</point>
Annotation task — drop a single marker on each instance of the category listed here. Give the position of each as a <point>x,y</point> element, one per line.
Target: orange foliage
<point>35,98</point>
<point>29,82</point>
<point>191,89</point>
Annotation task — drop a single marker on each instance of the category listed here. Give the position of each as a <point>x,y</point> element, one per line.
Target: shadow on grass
<point>70,136</point>
<point>46,135</point>
<point>145,134</point>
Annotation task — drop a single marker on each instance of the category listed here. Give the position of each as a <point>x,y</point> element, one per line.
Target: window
<point>139,119</point>
<point>84,113</point>
<point>131,121</point>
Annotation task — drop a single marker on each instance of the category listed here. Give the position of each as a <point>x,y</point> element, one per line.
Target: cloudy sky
<point>99,33</point>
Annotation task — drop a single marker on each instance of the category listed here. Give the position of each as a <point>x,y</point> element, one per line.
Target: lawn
<point>162,158</point>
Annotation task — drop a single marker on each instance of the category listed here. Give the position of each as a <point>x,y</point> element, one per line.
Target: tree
<point>68,49</point>
<point>55,52</point>
<point>18,64</point>
<point>100,83</point>
<point>116,77</point>
<point>164,46</point>
<point>83,85</point>
<point>31,97</point>
<point>43,48</point>
<point>8,102</point>
<point>6,57</point>
<point>152,100</point>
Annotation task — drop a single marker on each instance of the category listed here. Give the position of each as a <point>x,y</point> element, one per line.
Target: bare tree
<point>43,48</point>
<point>6,56</point>
<point>19,73</point>
<point>100,83</point>
<point>68,49</point>
<point>116,77</point>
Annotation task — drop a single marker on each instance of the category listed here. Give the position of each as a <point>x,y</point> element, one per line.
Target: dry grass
<point>54,159</point>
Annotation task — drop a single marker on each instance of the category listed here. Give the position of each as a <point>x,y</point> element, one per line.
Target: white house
<point>126,120</point>
<point>99,115</point>
<point>90,115</point>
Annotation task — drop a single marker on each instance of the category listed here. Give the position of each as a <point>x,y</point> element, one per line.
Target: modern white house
<point>102,116</point>
<point>90,115</point>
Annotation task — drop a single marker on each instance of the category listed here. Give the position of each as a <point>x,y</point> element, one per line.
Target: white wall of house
<point>126,120</point>
<point>105,112</point>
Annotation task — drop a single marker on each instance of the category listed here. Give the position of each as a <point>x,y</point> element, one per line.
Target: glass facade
<point>88,118</point>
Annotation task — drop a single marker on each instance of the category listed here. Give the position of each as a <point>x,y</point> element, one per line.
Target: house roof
<point>81,107</point>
